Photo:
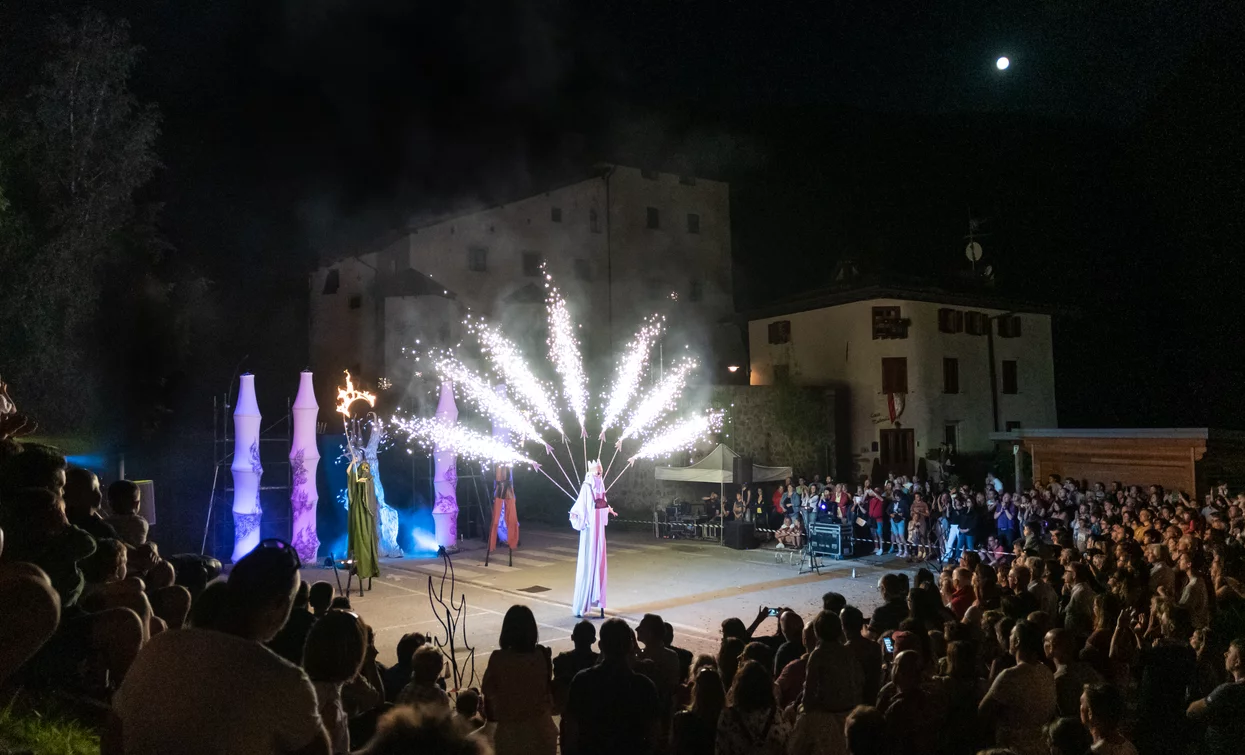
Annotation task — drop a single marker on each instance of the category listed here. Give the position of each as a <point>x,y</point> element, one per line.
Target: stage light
<point>1002,63</point>
<point>733,368</point>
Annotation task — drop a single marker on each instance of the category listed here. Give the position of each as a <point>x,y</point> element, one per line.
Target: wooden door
<point>898,451</point>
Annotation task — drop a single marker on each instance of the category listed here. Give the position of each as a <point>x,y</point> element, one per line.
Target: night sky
<point>1107,162</point>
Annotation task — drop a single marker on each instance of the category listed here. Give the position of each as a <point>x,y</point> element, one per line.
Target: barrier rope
<point>710,530</point>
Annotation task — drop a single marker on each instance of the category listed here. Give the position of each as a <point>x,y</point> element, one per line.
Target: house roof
<point>412,282</point>
<point>848,294</point>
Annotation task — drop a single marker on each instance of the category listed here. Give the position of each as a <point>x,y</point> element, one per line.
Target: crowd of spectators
<point>1111,620</point>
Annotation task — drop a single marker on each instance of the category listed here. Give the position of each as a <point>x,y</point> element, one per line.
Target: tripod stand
<point>810,556</point>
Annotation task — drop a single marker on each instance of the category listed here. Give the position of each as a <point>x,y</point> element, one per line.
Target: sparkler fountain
<point>533,418</point>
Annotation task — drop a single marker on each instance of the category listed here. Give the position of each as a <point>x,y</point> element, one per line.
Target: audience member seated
<point>290,640</point>
<point>123,499</point>
<point>82,504</point>
<point>333,655</point>
<point>398,675</point>
<point>106,585</point>
<point>423,690</point>
<point>516,688</point>
<point>23,632</point>
<point>612,710</point>
<point>320,597</point>
<point>422,731</point>
<point>220,690</point>
<point>467,716</point>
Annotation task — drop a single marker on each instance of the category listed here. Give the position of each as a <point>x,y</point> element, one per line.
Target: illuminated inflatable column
<point>445,481</point>
<point>304,458</point>
<point>387,516</point>
<point>501,434</point>
<point>246,469</point>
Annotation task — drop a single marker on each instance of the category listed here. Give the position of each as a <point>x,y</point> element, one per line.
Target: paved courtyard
<point>691,584</point>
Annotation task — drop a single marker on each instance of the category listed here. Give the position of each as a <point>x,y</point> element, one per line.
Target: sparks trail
<point>530,411</point>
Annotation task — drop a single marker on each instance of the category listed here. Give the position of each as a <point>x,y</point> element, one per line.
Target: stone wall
<point>774,425</point>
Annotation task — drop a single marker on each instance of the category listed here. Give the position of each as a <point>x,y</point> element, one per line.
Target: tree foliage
<point>75,151</point>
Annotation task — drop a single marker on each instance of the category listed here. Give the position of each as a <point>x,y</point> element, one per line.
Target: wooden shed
<point>1183,458</point>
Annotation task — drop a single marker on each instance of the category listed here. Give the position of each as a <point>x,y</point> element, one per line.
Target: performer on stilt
<point>590,515</point>
<point>503,501</point>
<point>361,513</point>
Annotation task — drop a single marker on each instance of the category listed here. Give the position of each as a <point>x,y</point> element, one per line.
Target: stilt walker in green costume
<point>361,509</point>
<point>361,517</point>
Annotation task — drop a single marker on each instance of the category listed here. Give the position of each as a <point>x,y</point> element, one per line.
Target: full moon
<point>1002,64</point>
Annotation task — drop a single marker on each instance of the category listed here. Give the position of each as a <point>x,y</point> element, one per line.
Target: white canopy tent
<point>719,467</point>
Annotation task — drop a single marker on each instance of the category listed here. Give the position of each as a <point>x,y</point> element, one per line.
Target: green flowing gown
<point>361,520</point>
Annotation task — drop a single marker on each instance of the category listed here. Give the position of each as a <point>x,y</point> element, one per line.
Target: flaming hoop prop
<point>532,408</point>
<point>349,394</point>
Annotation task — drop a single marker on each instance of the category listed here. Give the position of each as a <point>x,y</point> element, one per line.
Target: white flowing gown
<point>590,571</point>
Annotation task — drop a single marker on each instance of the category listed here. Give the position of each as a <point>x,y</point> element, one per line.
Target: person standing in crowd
<point>1071,673</point>
<point>1223,710</point>
<point>832,688</point>
<point>516,688</point>
<point>695,730</point>
<point>665,665</point>
<point>1007,521</point>
<point>611,709</point>
<point>567,665</point>
<point>751,723</point>
<point>918,527</point>
<point>791,625</point>
<point>1102,712</point>
<point>1022,699</point>
<point>897,508</point>
<point>876,508</point>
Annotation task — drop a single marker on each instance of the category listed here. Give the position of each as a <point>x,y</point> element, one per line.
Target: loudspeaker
<point>740,536</point>
<point>741,470</point>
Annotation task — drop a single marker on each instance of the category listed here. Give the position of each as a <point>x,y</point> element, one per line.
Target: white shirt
<point>193,691</point>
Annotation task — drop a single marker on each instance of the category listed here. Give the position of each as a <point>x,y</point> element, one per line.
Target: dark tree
<point>75,152</point>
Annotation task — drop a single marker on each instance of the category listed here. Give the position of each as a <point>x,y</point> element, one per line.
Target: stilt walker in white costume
<point>589,515</point>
